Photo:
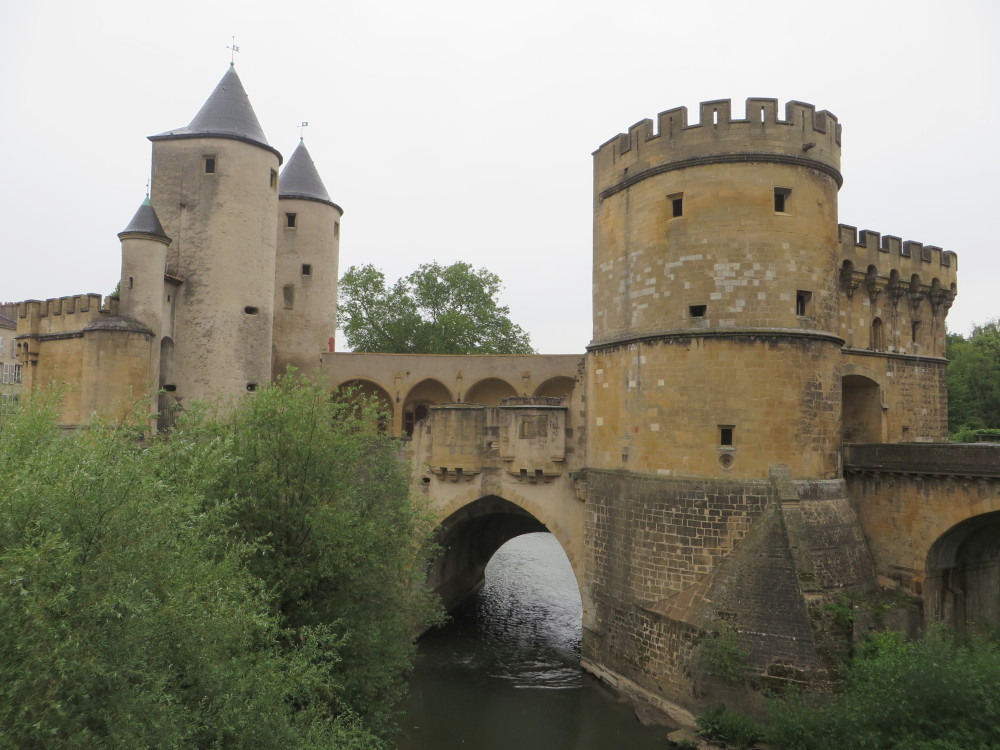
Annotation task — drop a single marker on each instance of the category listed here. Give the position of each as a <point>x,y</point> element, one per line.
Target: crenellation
<point>82,307</point>
<point>887,252</point>
<point>804,135</point>
<point>717,113</point>
<point>892,245</point>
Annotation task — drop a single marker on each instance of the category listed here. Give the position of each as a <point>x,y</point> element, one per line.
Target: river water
<point>504,674</point>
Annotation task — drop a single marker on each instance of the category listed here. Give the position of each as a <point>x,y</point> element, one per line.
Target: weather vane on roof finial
<point>302,127</point>
<point>147,188</point>
<point>232,51</point>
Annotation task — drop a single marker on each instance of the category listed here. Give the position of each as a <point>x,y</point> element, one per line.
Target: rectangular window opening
<point>781,196</point>
<point>290,221</point>
<point>307,269</point>
<point>336,229</point>
<point>533,427</point>
<point>726,434</point>
<point>697,311</point>
<point>274,179</point>
<point>288,292</point>
<point>676,204</point>
<point>803,299</point>
<point>11,374</point>
<point>209,162</point>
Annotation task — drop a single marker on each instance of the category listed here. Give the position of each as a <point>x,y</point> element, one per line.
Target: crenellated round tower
<point>308,257</point>
<point>716,336</point>
<point>215,186</point>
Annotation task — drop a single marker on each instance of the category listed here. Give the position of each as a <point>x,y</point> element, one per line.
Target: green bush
<point>939,691</point>
<point>967,434</point>
<point>796,722</point>
<point>719,723</point>
<point>723,656</point>
<point>249,581</point>
<point>935,693</point>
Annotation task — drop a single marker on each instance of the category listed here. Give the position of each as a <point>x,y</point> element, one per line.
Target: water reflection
<point>505,672</point>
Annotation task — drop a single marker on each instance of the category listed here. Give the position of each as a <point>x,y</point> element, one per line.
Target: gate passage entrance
<point>963,573</point>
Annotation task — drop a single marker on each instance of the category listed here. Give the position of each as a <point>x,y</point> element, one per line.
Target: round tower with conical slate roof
<point>215,185</point>
<point>144,259</point>
<point>306,268</point>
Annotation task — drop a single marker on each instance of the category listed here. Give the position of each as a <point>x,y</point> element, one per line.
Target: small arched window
<point>877,341</point>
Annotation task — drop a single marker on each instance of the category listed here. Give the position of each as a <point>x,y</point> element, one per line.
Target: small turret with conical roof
<point>145,294</point>
<point>144,257</point>
<point>306,268</point>
<point>215,186</point>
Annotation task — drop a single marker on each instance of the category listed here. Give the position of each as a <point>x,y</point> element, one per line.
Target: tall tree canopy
<point>974,378</point>
<point>252,580</point>
<point>435,310</point>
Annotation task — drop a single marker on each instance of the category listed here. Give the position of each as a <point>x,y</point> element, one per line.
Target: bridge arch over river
<point>471,534</point>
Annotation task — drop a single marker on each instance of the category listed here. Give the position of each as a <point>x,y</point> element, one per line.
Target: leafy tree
<point>974,378</point>
<point>345,547</point>
<point>219,588</point>
<point>435,310</point>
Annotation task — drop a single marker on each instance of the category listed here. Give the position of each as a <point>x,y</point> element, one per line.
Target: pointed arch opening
<point>876,340</point>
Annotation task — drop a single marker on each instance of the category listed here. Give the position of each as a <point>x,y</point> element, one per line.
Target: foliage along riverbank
<point>940,692</point>
<point>244,581</point>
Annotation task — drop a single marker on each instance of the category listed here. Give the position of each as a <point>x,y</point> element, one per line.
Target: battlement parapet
<point>63,314</point>
<point>805,136</point>
<point>913,261</point>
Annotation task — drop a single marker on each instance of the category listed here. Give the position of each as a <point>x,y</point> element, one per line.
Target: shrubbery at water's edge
<point>935,693</point>
<point>248,580</point>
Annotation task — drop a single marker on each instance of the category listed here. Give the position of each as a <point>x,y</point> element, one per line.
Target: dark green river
<point>504,674</point>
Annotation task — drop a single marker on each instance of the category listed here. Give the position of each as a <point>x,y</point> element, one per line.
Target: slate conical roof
<point>226,114</point>
<point>145,222</point>
<point>300,179</point>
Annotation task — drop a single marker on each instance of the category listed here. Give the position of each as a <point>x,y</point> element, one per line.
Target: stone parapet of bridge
<point>947,459</point>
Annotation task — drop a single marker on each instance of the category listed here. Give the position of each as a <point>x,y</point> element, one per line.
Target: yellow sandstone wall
<point>100,361</point>
<point>715,308</point>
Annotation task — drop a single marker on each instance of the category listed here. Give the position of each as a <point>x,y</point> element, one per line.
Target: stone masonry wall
<point>670,561</point>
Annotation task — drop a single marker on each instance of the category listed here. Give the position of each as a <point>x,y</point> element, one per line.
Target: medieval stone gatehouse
<point>691,463</point>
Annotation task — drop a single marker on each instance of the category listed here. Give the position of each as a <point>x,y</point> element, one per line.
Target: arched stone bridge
<point>498,445</point>
<point>493,473</point>
<point>931,514</point>
<point>495,442</point>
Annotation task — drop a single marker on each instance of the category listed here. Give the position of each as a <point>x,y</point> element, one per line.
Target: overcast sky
<point>463,131</point>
